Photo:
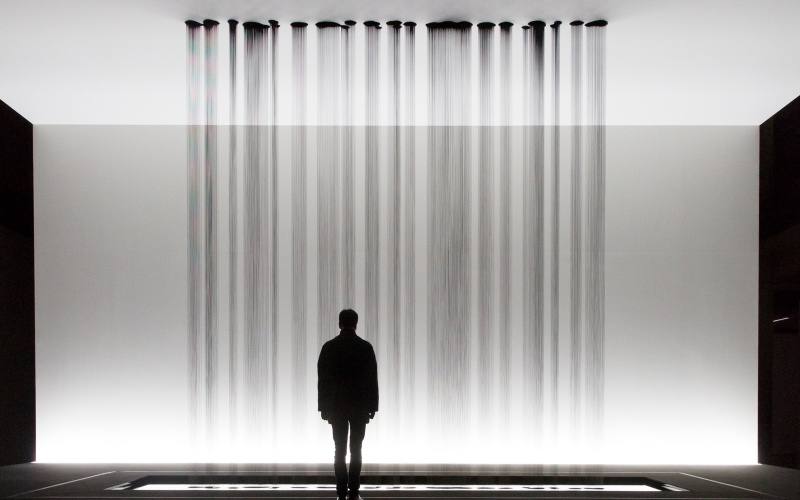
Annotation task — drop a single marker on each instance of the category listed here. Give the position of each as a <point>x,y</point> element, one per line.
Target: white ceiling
<point>670,62</point>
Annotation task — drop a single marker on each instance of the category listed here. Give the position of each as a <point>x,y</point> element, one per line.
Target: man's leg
<point>339,463</point>
<point>357,430</point>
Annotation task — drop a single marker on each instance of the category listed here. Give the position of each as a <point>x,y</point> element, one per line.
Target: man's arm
<point>324,381</point>
<point>372,374</point>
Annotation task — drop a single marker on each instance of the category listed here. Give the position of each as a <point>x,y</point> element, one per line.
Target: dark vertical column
<point>555,202</point>
<point>486,225</point>
<point>17,328</point>
<point>194,154</point>
<point>577,358</point>
<point>435,137</point>
<point>264,249</point>
<point>233,238</point>
<point>779,289</point>
<point>255,237</point>
<point>299,228</point>
<point>533,235</point>
<point>273,175</point>
<point>372,184</point>
<point>265,289</point>
<point>409,277</point>
<point>595,219</point>
<point>348,165</point>
<point>210,220</point>
<point>767,214</point>
<point>504,239</point>
<point>329,182</point>
<point>449,227</point>
<point>394,195</point>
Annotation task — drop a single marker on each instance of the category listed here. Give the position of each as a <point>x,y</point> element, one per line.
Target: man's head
<point>348,318</point>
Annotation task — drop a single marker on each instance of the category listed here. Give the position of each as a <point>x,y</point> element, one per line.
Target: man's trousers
<point>357,428</point>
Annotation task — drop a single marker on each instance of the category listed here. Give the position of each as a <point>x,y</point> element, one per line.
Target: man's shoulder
<point>328,345</point>
<point>361,340</point>
<point>333,342</point>
<point>365,347</point>
<point>347,340</point>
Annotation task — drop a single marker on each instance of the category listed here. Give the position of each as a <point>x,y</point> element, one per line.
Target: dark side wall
<point>17,374</point>
<point>779,290</point>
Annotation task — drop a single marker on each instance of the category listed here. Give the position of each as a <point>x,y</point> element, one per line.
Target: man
<point>347,386</point>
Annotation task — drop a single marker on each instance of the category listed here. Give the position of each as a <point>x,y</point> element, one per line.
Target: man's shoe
<point>341,497</point>
<point>354,497</point>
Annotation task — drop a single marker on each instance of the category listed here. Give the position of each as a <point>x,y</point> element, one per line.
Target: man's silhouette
<point>347,386</point>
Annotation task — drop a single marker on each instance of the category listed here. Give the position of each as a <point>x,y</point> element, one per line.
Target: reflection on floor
<point>409,483</point>
<point>101,481</point>
<point>408,488</point>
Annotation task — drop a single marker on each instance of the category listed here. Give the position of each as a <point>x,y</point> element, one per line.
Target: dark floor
<point>92,480</point>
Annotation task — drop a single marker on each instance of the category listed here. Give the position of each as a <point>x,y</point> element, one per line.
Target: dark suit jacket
<point>347,376</point>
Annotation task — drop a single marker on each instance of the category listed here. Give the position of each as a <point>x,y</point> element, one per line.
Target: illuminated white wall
<point>111,303</point>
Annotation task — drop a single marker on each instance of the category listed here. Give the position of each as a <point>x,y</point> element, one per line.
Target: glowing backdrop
<point>389,268</point>
<point>525,307</point>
